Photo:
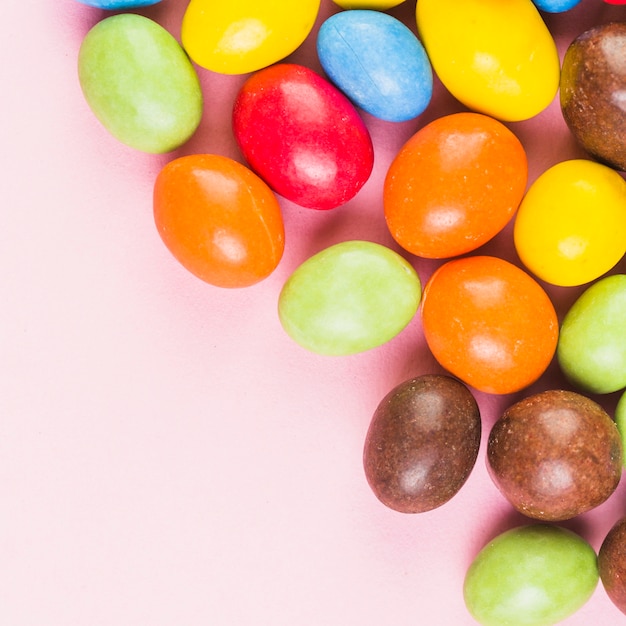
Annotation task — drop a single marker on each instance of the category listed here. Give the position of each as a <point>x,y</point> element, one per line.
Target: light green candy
<point>139,83</point>
<point>349,298</point>
<point>535,575</point>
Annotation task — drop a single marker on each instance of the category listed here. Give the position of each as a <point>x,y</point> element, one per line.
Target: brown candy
<point>593,92</point>
<point>422,443</point>
<point>612,564</point>
<point>555,454</point>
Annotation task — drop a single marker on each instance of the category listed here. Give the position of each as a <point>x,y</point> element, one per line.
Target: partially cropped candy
<point>241,36</point>
<point>118,5</point>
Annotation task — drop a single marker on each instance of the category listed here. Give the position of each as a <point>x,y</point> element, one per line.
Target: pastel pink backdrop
<point>168,456</point>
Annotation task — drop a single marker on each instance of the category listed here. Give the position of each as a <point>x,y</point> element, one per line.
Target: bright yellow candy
<point>495,56</point>
<point>571,225</point>
<point>241,36</point>
<point>377,5</point>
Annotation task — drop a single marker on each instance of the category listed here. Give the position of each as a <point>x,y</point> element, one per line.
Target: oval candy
<point>593,92</point>
<point>422,443</point>
<point>348,298</point>
<point>241,36</point>
<point>379,5</point>
<point>454,185</point>
<point>218,219</point>
<point>391,80</point>
<point>570,228</point>
<point>592,347</point>
<point>489,323</point>
<point>495,57</point>
<point>117,5</point>
<point>139,83</point>
<point>302,136</point>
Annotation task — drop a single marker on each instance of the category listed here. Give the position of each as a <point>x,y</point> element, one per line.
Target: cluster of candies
<point>452,187</point>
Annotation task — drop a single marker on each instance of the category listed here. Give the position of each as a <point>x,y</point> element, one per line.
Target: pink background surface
<point>168,456</point>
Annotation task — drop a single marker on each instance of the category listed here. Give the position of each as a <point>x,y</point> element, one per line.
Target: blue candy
<point>377,62</point>
<point>114,5</point>
<point>555,6</point>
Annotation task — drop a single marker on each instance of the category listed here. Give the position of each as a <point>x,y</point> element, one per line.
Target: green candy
<point>139,83</point>
<point>534,575</point>
<point>592,342</point>
<point>348,298</point>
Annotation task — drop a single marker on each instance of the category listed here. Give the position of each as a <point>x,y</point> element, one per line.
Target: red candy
<point>302,136</point>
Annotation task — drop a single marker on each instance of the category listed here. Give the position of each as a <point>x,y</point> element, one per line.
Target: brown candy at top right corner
<point>593,92</point>
<point>555,454</point>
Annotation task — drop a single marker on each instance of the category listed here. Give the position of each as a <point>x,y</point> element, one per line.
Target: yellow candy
<point>571,225</point>
<point>241,36</point>
<point>495,56</point>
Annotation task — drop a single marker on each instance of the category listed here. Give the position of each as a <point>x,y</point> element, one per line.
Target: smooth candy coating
<point>571,225</point>
<point>510,73</point>
<point>489,323</point>
<point>116,5</point>
<point>454,185</point>
<point>592,342</point>
<point>556,6</point>
<point>612,564</point>
<point>620,420</point>
<point>218,219</point>
<point>348,298</point>
<point>302,136</point>
<point>242,36</point>
<point>139,83</point>
<point>555,455</point>
<point>533,575</point>
<point>422,443</point>
<point>593,84</point>
<point>391,80</point>
<point>378,5</point>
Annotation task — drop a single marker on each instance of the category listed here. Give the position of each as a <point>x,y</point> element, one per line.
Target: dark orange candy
<point>219,219</point>
<point>454,185</point>
<point>489,323</point>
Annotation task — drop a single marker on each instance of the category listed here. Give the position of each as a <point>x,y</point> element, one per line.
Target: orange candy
<point>454,185</point>
<point>219,219</point>
<point>489,323</point>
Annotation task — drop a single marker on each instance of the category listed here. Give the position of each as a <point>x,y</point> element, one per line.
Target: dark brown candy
<point>593,92</point>
<point>422,443</point>
<point>612,564</point>
<point>555,454</point>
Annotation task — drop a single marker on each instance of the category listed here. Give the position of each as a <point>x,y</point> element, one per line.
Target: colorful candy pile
<point>454,186</point>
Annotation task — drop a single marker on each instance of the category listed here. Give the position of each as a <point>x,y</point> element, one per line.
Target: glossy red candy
<point>302,136</point>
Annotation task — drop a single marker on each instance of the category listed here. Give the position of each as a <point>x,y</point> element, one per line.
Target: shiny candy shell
<point>139,83</point>
<point>116,5</point>
<point>570,227</point>
<point>302,136</point>
<point>593,92</point>
<point>454,185</point>
<point>489,323</point>
<point>495,57</point>
<point>348,298</point>
<point>422,443</point>
<point>241,36</point>
<point>218,219</point>
<point>391,80</point>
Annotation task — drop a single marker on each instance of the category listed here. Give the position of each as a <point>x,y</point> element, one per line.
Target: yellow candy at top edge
<point>377,5</point>
<point>495,56</point>
<point>242,36</point>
